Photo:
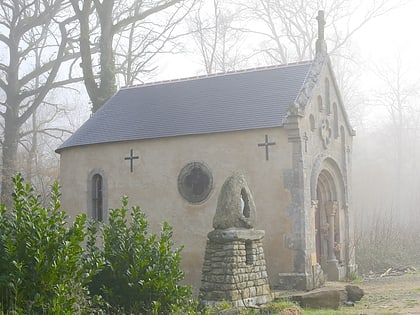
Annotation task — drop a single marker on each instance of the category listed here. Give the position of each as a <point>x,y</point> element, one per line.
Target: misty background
<point>374,47</point>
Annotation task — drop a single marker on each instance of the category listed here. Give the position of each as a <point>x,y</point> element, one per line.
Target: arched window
<point>97,198</point>
<point>320,106</point>
<point>312,122</point>
<point>327,96</point>
<point>343,143</point>
<point>335,110</point>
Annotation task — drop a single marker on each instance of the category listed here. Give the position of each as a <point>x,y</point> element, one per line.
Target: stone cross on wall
<point>266,144</point>
<point>131,158</point>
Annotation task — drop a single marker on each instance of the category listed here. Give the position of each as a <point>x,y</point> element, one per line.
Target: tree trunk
<point>10,147</point>
<point>108,86</point>
<point>11,124</point>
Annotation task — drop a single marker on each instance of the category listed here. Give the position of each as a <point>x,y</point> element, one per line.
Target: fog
<point>383,102</point>
<point>377,70</point>
<point>382,97</point>
<point>386,148</point>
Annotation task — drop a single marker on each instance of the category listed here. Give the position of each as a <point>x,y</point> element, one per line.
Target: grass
<point>278,306</point>
<point>326,312</point>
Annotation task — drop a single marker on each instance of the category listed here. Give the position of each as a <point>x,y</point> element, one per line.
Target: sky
<point>380,41</point>
<point>383,43</point>
<point>396,32</point>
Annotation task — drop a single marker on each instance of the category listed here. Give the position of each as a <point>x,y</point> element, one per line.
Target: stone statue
<point>235,206</point>
<point>234,266</point>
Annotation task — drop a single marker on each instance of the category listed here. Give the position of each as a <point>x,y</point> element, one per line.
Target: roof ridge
<point>239,100</point>
<point>219,74</point>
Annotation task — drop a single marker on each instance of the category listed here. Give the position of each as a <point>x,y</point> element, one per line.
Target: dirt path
<point>390,295</point>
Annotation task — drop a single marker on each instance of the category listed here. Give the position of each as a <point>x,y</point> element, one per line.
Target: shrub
<point>387,243</point>
<point>42,268</point>
<point>48,265</point>
<point>141,272</point>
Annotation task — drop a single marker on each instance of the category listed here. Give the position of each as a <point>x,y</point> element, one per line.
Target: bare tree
<point>103,23</point>
<point>28,29</point>
<point>36,139</point>
<point>398,95</point>
<point>39,137</point>
<point>218,33</point>
<point>385,170</point>
<point>139,44</point>
<point>290,34</point>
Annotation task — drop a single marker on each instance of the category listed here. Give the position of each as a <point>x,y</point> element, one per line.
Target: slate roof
<point>249,99</point>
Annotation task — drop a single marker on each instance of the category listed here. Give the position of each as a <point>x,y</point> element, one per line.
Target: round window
<point>195,182</point>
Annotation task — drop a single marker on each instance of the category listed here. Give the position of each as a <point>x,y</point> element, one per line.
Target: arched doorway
<point>325,218</point>
<point>329,219</point>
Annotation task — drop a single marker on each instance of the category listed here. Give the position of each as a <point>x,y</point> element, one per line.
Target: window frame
<point>101,214</point>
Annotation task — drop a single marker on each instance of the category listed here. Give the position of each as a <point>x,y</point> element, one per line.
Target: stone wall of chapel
<point>153,186</point>
<point>327,135</point>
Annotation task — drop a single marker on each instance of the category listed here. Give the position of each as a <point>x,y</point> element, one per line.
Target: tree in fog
<point>232,34</point>
<point>398,96</point>
<point>39,137</point>
<point>121,37</point>
<point>289,28</point>
<point>33,46</point>
<point>386,184</point>
<point>218,35</point>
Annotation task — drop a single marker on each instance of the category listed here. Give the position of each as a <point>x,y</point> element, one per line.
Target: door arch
<point>326,193</point>
<point>329,195</point>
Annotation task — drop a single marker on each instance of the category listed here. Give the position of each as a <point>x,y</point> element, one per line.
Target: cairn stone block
<point>329,299</point>
<point>354,293</point>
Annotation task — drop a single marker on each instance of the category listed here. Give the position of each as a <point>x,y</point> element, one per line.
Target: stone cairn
<point>234,267</point>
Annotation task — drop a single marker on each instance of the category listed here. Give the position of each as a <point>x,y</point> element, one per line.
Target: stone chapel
<point>169,146</point>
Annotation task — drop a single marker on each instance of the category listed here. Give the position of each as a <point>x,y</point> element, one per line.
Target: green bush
<point>42,267</point>
<point>51,266</point>
<point>141,272</point>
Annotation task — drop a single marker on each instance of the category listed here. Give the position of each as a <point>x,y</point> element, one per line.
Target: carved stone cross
<point>321,24</point>
<point>320,42</point>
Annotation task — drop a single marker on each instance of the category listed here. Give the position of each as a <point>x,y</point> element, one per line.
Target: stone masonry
<point>234,265</point>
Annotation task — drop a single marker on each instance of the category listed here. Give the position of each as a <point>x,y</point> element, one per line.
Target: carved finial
<point>320,42</point>
<point>321,24</point>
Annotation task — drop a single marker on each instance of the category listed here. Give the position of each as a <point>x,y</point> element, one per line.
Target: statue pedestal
<point>335,272</point>
<point>234,268</point>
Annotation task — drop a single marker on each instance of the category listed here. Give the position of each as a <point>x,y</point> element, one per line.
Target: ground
<point>396,294</point>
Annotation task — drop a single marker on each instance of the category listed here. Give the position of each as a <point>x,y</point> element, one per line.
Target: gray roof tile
<point>234,101</point>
